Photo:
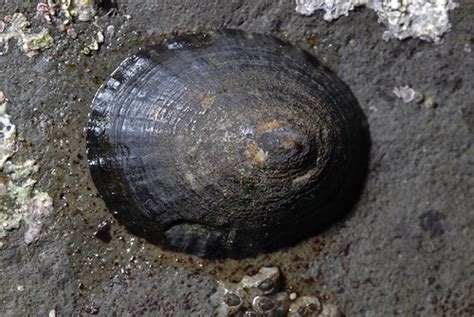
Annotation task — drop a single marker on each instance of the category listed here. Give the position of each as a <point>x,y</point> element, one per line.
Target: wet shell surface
<point>226,144</point>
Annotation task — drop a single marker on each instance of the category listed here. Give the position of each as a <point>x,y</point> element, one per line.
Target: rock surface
<point>406,249</point>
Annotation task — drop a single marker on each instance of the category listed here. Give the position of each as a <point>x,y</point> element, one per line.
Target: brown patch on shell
<point>255,155</point>
<point>208,102</point>
<point>269,125</point>
<point>303,179</point>
<point>294,144</point>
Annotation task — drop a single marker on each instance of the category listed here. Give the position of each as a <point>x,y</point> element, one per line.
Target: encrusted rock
<point>247,299</point>
<point>424,19</point>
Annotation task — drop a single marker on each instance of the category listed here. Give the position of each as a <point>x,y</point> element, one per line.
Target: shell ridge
<point>226,144</point>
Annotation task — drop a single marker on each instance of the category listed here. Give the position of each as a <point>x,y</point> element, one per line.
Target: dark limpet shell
<point>226,144</point>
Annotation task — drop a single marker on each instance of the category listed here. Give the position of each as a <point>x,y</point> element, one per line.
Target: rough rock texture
<point>406,249</point>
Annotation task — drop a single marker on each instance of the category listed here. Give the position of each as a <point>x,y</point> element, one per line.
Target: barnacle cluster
<point>62,14</point>
<point>261,295</point>
<point>65,11</point>
<point>20,202</point>
<point>424,19</point>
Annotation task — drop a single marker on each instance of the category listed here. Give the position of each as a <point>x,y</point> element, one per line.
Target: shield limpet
<point>226,144</point>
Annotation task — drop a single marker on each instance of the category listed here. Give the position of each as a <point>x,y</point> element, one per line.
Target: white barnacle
<point>408,94</point>
<point>83,10</point>
<point>305,306</point>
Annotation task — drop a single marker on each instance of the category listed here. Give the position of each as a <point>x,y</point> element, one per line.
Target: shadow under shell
<point>226,144</point>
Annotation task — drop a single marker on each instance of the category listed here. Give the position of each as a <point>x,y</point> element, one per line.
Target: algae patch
<point>20,201</point>
<point>16,27</point>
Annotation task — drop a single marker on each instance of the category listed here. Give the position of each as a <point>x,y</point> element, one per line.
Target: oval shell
<point>226,144</point>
